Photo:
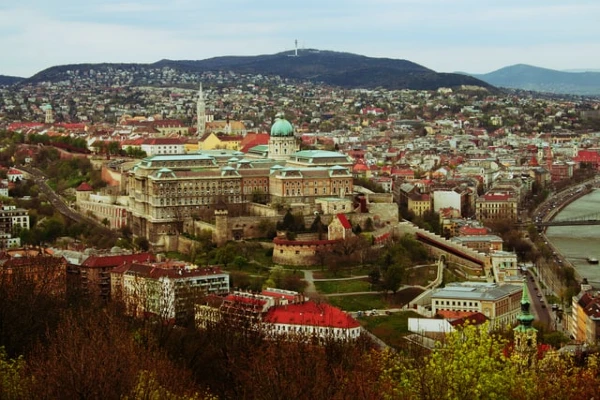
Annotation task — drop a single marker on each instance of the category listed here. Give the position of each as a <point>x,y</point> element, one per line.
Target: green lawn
<point>355,285</point>
<point>389,328</point>
<point>359,302</point>
<point>344,273</point>
<point>420,276</point>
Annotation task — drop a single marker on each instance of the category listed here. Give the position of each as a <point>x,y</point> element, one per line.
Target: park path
<point>310,290</point>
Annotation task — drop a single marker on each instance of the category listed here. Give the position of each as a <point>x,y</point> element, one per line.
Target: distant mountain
<point>335,68</point>
<point>6,80</point>
<point>527,77</point>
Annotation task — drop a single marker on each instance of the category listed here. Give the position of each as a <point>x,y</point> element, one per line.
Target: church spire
<point>525,333</point>
<point>201,112</point>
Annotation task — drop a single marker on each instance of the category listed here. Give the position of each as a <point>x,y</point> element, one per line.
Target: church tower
<point>201,113</point>
<point>525,333</point>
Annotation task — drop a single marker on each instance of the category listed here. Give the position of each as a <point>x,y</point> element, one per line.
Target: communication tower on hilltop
<point>295,49</point>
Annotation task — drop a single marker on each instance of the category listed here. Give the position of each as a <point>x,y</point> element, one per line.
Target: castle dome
<point>281,127</point>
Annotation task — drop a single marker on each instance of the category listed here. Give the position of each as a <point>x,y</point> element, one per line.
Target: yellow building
<point>212,141</point>
<point>419,204</point>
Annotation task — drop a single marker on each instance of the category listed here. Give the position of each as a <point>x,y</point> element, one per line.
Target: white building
<point>13,218</point>
<point>156,146</point>
<point>311,319</point>
<point>446,199</point>
<point>169,291</point>
<point>499,303</point>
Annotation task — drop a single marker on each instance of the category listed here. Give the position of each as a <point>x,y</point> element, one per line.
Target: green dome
<point>282,127</point>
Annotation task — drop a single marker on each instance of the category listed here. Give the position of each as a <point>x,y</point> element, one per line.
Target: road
<point>57,202</point>
<point>538,302</point>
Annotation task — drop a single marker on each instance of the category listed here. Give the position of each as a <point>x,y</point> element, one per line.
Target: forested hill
<point>329,67</point>
<point>6,80</point>
<point>528,77</point>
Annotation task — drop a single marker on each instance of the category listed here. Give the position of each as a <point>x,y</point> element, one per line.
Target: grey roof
<point>475,291</point>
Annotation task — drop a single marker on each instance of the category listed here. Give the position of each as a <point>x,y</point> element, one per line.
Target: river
<point>576,243</point>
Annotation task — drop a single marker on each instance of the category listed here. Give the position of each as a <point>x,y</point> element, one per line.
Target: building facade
<point>497,206</point>
<point>499,303</point>
<point>167,291</point>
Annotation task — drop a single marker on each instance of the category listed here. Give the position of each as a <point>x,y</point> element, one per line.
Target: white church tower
<point>201,113</point>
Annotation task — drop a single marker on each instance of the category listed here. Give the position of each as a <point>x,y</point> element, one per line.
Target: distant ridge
<point>335,68</point>
<point>6,80</point>
<point>528,77</point>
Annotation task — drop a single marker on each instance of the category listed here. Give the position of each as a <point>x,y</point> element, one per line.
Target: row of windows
<point>456,303</point>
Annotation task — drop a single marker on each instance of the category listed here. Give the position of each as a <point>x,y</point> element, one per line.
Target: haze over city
<point>465,35</point>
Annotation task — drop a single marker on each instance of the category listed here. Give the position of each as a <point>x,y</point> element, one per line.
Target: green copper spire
<point>525,317</point>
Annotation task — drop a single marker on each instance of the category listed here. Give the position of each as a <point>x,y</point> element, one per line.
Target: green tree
<point>469,364</point>
<point>392,278</point>
<point>14,384</point>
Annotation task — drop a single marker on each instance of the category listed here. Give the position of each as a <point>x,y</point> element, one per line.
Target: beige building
<point>499,303</point>
<point>497,205</point>
<point>585,310</point>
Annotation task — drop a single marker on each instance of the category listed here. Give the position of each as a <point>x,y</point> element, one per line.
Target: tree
<point>226,254</point>
<point>392,277</point>
<point>469,364</point>
<point>141,243</point>
<point>318,227</point>
<point>14,384</point>
<point>240,262</point>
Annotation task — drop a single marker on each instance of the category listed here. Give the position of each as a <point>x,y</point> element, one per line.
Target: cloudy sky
<point>445,35</point>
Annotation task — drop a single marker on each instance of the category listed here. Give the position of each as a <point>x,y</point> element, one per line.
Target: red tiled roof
<point>116,260</point>
<point>497,196</point>
<point>472,231</point>
<point>254,139</point>
<point>310,314</point>
<point>344,221</point>
<point>587,156</point>
<point>84,187</point>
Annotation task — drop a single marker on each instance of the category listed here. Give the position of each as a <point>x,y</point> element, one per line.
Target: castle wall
<point>300,252</point>
<point>110,176</point>
<point>261,210</point>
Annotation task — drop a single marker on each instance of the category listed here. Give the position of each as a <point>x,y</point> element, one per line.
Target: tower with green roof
<point>282,142</point>
<point>525,334</point>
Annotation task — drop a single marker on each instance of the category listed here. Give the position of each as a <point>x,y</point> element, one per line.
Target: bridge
<point>588,219</point>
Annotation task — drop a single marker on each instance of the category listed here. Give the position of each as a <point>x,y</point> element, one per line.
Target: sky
<point>475,36</point>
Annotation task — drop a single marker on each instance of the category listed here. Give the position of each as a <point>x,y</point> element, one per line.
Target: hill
<point>334,68</point>
<point>527,77</point>
<point>6,80</point>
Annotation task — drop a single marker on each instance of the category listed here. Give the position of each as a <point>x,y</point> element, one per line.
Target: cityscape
<point>307,224</point>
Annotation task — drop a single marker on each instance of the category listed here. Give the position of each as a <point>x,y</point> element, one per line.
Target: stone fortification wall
<point>110,176</point>
<point>261,210</point>
<point>380,197</point>
<point>408,228</point>
<point>382,214</point>
<point>301,251</point>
